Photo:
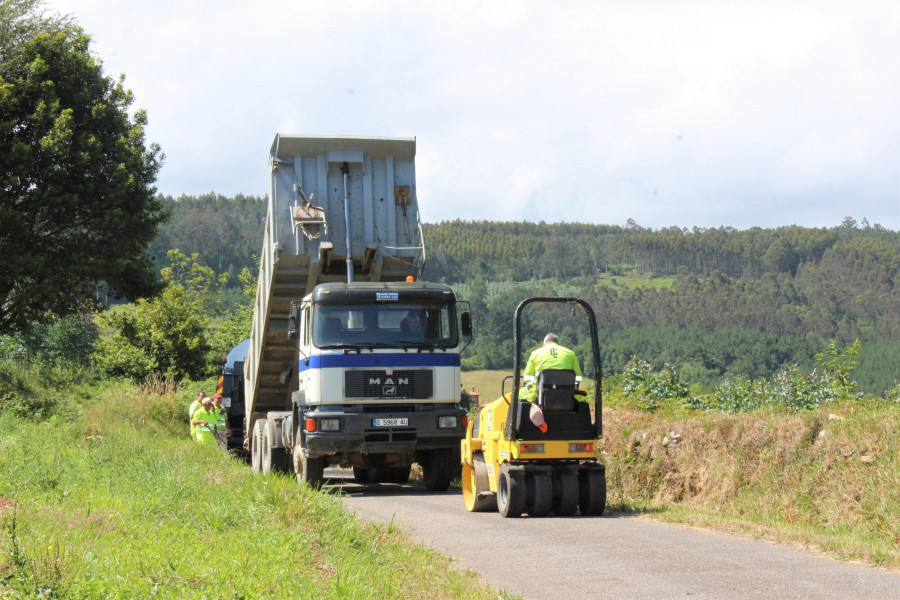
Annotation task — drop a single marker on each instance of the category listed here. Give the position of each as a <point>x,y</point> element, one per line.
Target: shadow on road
<point>339,481</point>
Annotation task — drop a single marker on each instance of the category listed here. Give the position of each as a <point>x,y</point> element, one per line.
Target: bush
<point>737,395</point>
<point>893,396</point>
<point>34,395</point>
<point>650,387</point>
<point>163,337</point>
<point>64,342</point>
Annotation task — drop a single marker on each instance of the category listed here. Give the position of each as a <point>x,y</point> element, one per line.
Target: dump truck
<point>511,465</point>
<point>335,373</point>
<point>230,383</point>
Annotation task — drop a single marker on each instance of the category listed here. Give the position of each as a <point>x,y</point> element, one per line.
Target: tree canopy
<point>77,202</point>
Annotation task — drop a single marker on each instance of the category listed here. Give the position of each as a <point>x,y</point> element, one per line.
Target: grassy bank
<point>827,479</point>
<point>107,498</point>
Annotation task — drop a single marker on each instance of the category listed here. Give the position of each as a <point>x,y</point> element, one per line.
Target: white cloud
<point>700,113</point>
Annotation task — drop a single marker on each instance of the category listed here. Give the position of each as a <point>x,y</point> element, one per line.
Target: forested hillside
<point>711,302</point>
<point>714,303</point>
<point>225,232</point>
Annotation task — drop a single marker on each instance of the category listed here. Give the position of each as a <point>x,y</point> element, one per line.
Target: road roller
<point>517,464</point>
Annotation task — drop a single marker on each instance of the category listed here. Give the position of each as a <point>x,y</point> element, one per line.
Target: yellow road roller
<point>517,467</point>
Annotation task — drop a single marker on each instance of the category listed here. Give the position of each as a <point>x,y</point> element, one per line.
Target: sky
<point>691,113</point>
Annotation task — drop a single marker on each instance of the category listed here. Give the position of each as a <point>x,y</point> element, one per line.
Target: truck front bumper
<point>358,431</point>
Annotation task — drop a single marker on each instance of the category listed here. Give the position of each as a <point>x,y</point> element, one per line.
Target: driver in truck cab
<point>413,325</point>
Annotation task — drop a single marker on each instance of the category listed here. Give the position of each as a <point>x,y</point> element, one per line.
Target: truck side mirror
<point>466,324</point>
<point>293,321</point>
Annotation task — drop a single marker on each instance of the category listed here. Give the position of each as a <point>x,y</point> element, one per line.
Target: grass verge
<point>118,503</point>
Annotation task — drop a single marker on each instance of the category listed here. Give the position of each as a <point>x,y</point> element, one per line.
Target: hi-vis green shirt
<point>551,356</point>
<point>194,407</point>
<point>205,431</point>
<point>221,420</point>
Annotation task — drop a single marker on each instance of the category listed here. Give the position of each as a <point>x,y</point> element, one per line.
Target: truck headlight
<point>447,422</point>
<point>329,424</point>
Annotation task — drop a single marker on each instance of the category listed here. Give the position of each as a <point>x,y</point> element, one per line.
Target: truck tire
<point>565,502</point>
<point>399,475</point>
<point>273,457</point>
<point>592,492</point>
<point>439,467</point>
<point>540,494</point>
<point>510,493</point>
<point>310,471</point>
<point>256,446</point>
<point>361,475</point>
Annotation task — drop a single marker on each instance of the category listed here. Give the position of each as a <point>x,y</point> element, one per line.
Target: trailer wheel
<point>540,494</point>
<point>439,467</point>
<point>592,493</point>
<point>476,486</point>
<point>256,446</point>
<point>510,493</point>
<point>310,471</point>
<point>566,502</point>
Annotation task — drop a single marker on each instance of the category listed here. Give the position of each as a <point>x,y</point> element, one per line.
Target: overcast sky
<point>688,113</point>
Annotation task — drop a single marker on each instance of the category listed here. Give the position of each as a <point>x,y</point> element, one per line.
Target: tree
<point>164,336</point>
<point>198,280</point>
<point>236,325</point>
<point>67,342</point>
<point>77,202</point>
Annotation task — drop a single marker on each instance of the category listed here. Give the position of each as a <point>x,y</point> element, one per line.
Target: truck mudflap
<point>382,432</point>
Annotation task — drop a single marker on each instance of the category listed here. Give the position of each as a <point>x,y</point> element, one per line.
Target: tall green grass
<point>119,503</point>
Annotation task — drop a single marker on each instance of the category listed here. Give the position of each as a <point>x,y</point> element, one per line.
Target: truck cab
<point>379,378</point>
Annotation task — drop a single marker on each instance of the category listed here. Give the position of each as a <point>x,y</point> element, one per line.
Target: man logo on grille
<point>389,381</point>
<point>390,390</point>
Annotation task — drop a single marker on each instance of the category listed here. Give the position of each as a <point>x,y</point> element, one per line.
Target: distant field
<point>486,383</point>
<point>635,280</point>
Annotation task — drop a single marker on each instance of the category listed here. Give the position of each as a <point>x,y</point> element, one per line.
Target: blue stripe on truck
<point>350,361</point>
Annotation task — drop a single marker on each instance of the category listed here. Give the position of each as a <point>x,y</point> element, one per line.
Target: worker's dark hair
<point>551,338</point>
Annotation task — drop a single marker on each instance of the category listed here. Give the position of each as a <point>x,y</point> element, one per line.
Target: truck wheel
<point>540,494</point>
<point>310,471</point>
<point>566,502</point>
<point>361,475</point>
<point>476,486</point>
<point>273,458</point>
<point>439,469</point>
<point>592,493</point>
<point>399,475</point>
<point>510,493</point>
<point>256,447</point>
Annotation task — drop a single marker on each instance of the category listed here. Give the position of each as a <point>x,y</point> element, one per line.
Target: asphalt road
<point>610,556</point>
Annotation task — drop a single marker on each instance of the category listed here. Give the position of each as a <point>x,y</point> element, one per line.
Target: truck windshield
<point>385,326</point>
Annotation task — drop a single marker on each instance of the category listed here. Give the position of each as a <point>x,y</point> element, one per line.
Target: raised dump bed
<point>317,186</point>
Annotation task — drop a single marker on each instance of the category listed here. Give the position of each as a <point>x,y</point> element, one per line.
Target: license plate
<point>390,422</point>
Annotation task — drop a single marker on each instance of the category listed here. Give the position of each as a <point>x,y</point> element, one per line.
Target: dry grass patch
<point>828,478</point>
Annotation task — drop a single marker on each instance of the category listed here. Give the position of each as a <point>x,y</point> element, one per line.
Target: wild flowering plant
<point>650,386</point>
<point>738,395</point>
